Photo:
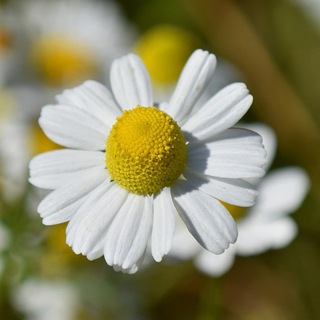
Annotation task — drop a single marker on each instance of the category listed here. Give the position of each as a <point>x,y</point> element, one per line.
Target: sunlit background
<point>271,45</point>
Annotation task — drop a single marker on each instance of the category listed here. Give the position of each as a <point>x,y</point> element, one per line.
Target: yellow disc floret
<point>146,150</point>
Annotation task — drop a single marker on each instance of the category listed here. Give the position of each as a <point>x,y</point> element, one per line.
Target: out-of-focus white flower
<point>41,299</point>
<point>68,41</point>
<point>267,225</point>
<point>129,170</point>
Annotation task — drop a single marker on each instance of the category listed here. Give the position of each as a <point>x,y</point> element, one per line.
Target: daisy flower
<point>131,165</point>
<point>77,40</point>
<point>267,225</point>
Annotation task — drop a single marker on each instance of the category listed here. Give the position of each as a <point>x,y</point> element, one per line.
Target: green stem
<point>211,300</point>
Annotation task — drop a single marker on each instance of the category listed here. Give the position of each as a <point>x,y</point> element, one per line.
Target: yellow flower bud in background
<point>163,44</point>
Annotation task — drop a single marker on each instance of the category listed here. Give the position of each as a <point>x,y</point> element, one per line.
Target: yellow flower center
<point>162,44</point>
<point>236,212</point>
<point>62,61</point>
<point>146,151</point>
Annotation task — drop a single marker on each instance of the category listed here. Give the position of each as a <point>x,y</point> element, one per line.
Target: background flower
<point>77,40</point>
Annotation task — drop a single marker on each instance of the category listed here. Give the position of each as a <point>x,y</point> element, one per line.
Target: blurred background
<point>271,45</point>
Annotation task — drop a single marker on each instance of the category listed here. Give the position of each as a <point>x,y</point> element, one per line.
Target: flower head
<point>76,40</point>
<point>131,167</point>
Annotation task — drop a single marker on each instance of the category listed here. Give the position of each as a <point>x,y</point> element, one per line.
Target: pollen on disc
<point>146,151</point>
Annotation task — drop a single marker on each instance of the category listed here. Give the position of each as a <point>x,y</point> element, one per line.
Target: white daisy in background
<point>130,166</point>
<point>265,226</point>
<point>40,299</point>
<point>68,41</point>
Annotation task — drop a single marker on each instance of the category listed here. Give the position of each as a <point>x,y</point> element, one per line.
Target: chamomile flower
<point>265,226</point>
<point>131,166</point>
<point>77,39</point>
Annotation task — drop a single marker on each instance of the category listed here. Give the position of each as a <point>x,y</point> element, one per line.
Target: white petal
<point>281,192</point>
<point>221,112</point>
<point>130,82</point>
<point>194,78</point>
<point>92,97</point>
<point>234,191</point>
<point>127,238</point>
<point>269,139</point>
<point>64,214</point>
<point>206,218</point>
<point>87,229</point>
<point>234,153</point>
<point>256,237</point>
<point>163,224</point>
<point>132,269</point>
<point>215,265</point>
<point>61,202</point>
<point>73,127</point>
<point>54,169</point>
